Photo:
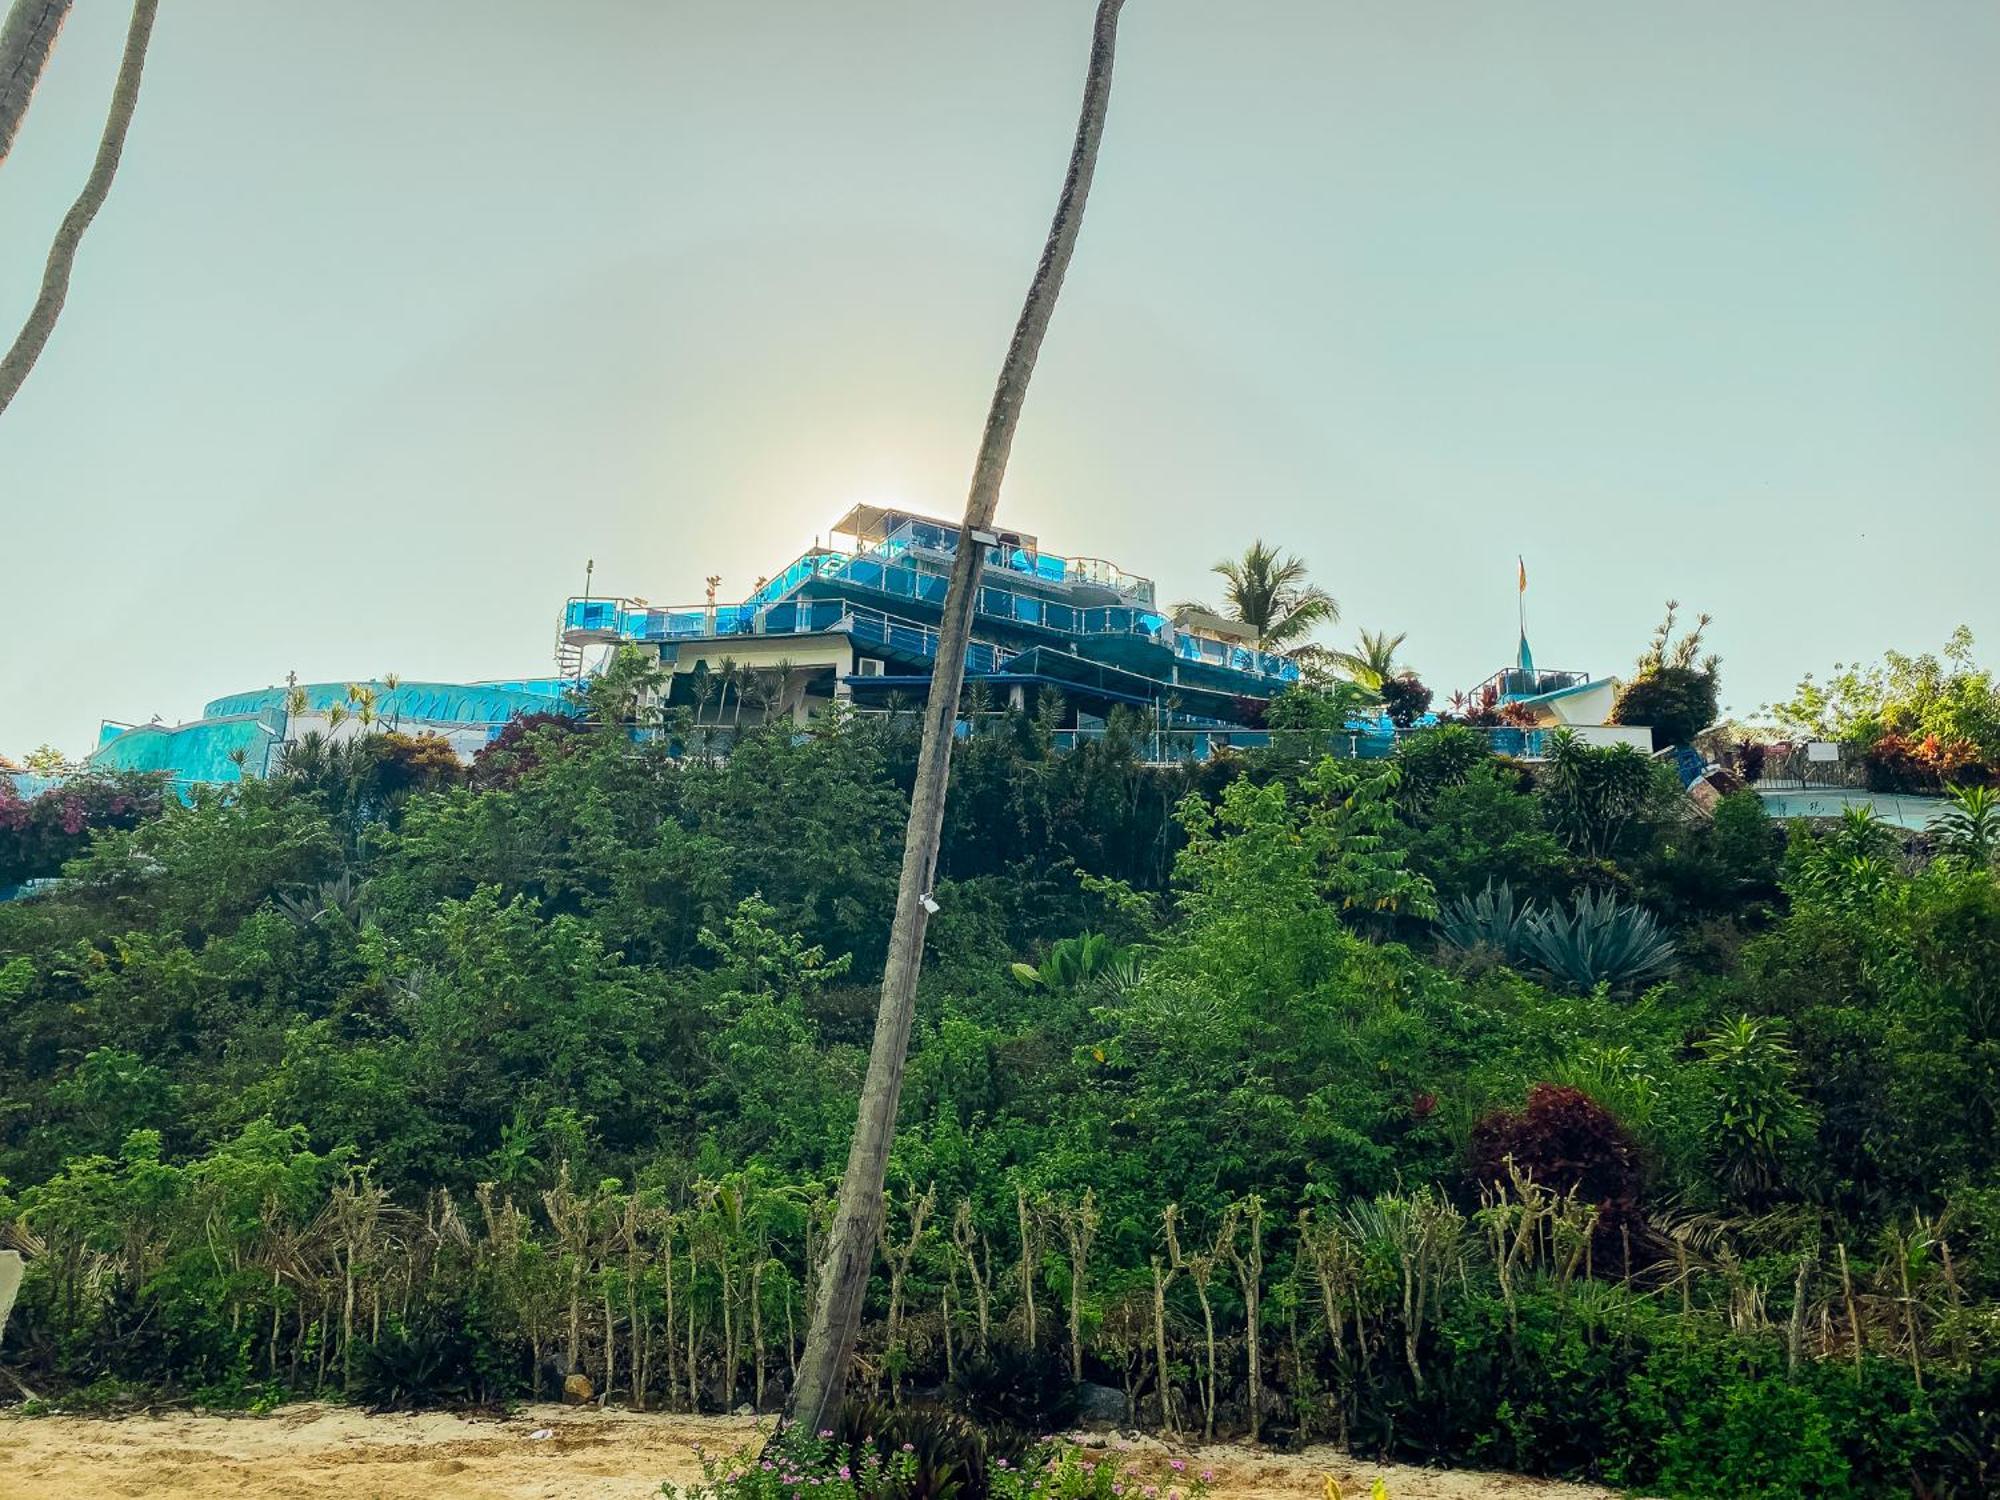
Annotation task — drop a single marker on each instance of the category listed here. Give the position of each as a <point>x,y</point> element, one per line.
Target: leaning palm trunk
<point>34,336</point>
<point>26,41</point>
<point>851,1247</point>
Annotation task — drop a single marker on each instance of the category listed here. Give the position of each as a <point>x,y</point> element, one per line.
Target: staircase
<point>569,654</point>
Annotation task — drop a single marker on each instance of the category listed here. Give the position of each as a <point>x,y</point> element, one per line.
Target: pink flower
<point>845,1472</point>
<point>909,1447</point>
<point>1179,1466</point>
<point>1208,1476</point>
<point>826,1432</point>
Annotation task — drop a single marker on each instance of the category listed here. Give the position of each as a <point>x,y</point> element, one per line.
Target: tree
<point>26,41</point>
<point>41,321</point>
<point>1593,795</point>
<point>47,760</point>
<point>844,1276</point>
<point>1372,662</point>
<point>1266,589</point>
<point>1404,699</point>
<point>1944,696</point>
<point>1675,690</point>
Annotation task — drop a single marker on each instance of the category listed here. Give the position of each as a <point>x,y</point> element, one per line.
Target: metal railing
<point>1514,683</point>
<point>626,620</point>
<point>1800,767</point>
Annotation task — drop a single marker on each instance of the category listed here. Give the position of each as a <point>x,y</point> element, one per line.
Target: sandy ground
<point>314,1452</point>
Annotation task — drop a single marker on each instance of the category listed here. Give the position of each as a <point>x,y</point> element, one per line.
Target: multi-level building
<point>857,622</point>
<point>246,734</point>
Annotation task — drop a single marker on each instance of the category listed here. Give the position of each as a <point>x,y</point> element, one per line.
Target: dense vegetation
<point>1922,721</point>
<point>1461,1110</point>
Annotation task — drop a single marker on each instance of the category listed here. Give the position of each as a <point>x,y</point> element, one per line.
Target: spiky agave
<point>1599,941</point>
<point>1489,920</point>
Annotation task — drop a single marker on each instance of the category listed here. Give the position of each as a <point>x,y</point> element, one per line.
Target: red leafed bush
<point>1564,1140</point>
<point>1897,763</point>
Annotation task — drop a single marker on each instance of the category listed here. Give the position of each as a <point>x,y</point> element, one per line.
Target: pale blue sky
<point>399,311</point>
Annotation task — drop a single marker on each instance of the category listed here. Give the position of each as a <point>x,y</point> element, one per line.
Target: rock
<point>1101,1406</point>
<point>746,1410</point>
<point>577,1389</point>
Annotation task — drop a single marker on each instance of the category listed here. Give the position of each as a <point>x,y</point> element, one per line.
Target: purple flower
<point>1179,1466</point>
<point>1208,1476</point>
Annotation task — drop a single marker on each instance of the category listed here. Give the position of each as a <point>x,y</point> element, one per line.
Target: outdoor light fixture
<point>929,903</point>
<point>986,538</point>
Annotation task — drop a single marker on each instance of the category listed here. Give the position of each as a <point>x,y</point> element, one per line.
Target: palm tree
<point>41,321</point>
<point>1266,590</point>
<point>26,41</point>
<point>822,1372</point>
<point>1372,662</point>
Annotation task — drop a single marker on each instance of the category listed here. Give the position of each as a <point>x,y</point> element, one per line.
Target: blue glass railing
<point>942,542</point>
<point>622,620</point>
<point>791,617</point>
<point>1174,746</point>
<point>881,569</point>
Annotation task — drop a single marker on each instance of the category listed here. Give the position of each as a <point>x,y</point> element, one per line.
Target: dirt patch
<point>316,1452</point>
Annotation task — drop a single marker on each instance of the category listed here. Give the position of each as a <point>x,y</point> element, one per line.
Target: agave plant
<point>1489,920</point>
<point>1599,941</point>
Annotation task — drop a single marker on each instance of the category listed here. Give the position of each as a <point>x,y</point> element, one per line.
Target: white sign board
<point>1823,750</point>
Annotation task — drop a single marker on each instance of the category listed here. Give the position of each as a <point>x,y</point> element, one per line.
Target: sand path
<point>318,1452</point>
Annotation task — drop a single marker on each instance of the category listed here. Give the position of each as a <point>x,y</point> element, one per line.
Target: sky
<point>398,313</point>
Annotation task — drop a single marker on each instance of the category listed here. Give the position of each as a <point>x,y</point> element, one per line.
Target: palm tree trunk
<point>34,336</point>
<point>851,1247</point>
<point>25,44</point>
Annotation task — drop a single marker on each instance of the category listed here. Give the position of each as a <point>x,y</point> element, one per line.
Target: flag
<point>1524,575</point>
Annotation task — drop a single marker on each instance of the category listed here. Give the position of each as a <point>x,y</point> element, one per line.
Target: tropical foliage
<point>1372,661</point>
<point>1675,690</point>
<point>1597,941</point>
<point>1267,590</point>
<point>394,1081</point>
<point>1924,719</point>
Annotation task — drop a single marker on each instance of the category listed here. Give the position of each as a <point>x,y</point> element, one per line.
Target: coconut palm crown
<point>1372,662</point>
<point>1266,590</point>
